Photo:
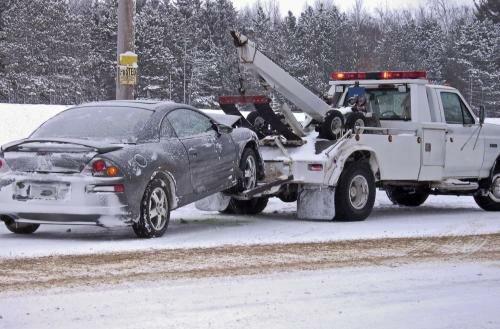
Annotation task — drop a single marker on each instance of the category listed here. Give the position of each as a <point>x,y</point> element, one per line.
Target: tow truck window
<point>388,103</point>
<point>455,111</point>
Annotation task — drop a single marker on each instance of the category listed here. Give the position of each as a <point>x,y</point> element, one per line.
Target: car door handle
<point>193,153</point>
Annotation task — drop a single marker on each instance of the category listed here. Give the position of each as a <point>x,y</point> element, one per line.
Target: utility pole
<point>126,44</point>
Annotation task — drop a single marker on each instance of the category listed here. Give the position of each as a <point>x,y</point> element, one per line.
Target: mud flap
<point>316,203</point>
<point>215,202</point>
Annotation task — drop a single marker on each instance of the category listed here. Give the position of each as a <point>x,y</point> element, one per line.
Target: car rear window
<point>116,124</point>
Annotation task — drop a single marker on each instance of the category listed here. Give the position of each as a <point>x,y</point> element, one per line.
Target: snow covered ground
<point>190,228</point>
<point>429,295</point>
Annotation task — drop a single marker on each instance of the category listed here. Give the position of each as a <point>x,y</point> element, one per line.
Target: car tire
<point>155,211</point>
<point>355,120</point>
<point>409,197</point>
<point>249,169</point>
<point>355,193</point>
<point>490,202</point>
<point>19,228</point>
<point>333,126</point>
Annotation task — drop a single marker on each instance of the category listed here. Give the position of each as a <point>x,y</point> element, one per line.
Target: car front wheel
<point>155,211</point>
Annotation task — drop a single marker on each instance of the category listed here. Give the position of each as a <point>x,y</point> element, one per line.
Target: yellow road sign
<point>128,74</point>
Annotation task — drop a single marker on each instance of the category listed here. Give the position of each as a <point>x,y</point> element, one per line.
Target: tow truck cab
<point>434,133</point>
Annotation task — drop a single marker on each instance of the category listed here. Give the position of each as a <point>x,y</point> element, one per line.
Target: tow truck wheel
<point>355,193</point>
<point>19,228</point>
<point>333,126</point>
<point>490,202</point>
<point>356,121</point>
<point>407,196</point>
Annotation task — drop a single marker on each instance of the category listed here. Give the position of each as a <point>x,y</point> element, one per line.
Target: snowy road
<point>425,295</point>
<point>190,228</point>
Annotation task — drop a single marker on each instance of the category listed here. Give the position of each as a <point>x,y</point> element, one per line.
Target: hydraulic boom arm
<point>279,79</point>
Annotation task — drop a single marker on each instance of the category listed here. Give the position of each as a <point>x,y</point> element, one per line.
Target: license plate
<point>41,191</point>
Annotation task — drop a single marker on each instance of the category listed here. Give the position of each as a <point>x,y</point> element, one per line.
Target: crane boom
<point>278,79</point>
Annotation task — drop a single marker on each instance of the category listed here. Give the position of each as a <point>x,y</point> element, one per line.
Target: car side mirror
<point>482,114</point>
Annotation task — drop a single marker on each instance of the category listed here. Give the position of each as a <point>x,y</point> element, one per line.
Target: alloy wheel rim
<point>158,209</point>
<point>358,192</point>
<point>250,173</point>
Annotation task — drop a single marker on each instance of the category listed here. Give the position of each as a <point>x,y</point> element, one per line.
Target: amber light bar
<point>384,75</point>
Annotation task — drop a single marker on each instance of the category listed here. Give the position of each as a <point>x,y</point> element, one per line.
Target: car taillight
<point>102,168</point>
<point>1,163</point>
<point>98,166</point>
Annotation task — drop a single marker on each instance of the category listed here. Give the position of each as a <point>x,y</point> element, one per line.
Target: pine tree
<point>488,9</point>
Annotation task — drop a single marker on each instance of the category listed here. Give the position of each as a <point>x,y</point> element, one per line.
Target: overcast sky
<point>296,6</point>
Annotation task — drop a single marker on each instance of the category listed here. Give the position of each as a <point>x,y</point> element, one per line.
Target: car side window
<point>188,123</point>
<point>455,111</point>
<point>166,130</point>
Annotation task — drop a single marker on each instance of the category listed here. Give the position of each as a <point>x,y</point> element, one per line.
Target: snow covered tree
<point>488,9</point>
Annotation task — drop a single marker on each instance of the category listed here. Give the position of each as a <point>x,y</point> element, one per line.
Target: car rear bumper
<point>71,200</point>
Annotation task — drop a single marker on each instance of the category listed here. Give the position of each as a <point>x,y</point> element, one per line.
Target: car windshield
<point>113,124</point>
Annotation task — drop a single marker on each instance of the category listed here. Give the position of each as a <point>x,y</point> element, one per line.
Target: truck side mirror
<point>482,114</point>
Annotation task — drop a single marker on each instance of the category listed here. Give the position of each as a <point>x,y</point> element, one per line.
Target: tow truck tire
<point>355,119</point>
<point>19,228</point>
<point>490,202</point>
<point>409,197</point>
<point>355,193</point>
<point>333,126</point>
<point>247,207</point>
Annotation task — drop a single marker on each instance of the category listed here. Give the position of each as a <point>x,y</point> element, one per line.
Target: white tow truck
<point>389,130</point>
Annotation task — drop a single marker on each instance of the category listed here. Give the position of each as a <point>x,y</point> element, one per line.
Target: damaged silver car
<point>123,163</point>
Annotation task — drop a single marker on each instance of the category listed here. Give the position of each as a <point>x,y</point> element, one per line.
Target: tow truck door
<point>464,144</point>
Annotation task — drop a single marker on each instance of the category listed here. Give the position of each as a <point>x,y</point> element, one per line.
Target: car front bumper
<point>63,199</point>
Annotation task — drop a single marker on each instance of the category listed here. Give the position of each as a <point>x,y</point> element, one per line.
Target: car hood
<point>227,120</point>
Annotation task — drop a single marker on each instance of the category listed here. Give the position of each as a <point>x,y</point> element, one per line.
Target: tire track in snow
<point>113,268</point>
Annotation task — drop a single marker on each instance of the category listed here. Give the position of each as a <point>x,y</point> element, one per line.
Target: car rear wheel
<point>355,193</point>
<point>155,211</point>
<point>491,201</point>
<point>19,228</point>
